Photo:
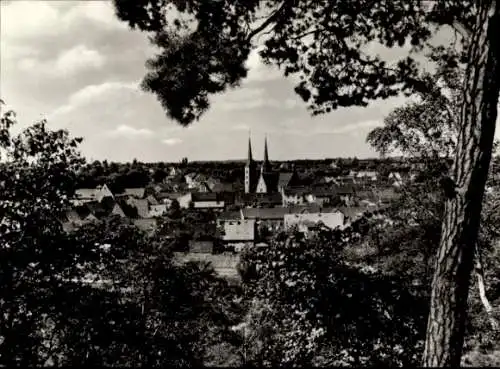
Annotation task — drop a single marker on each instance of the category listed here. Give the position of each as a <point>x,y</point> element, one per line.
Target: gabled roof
<point>271,198</point>
<point>96,208</point>
<point>117,210</point>
<point>141,205</point>
<point>135,192</point>
<point>309,208</point>
<point>265,213</point>
<point>284,179</point>
<point>290,191</point>
<point>271,180</point>
<point>204,187</point>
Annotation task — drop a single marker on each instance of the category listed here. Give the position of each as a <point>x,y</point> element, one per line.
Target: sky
<point>76,65</point>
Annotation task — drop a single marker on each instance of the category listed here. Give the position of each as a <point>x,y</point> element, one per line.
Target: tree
<point>203,51</point>
<point>412,130</point>
<point>105,294</point>
<point>37,179</point>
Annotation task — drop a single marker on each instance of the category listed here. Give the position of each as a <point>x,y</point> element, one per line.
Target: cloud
<point>28,19</point>
<point>78,58</point>
<point>37,19</point>
<point>91,93</point>
<point>171,141</point>
<point>248,98</point>
<point>355,127</point>
<point>69,62</point>
<point>131,132</point>
<point>325,127</point>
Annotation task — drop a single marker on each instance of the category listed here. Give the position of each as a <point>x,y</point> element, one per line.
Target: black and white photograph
<point>249,183</point>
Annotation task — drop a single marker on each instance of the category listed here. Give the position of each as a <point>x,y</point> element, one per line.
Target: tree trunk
<point>450,285</point>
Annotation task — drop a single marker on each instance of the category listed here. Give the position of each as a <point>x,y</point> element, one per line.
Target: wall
<point>184,201</point>
<point>157,210</point>
<point>201,246</point>
<point>331,220</point>
<point>239,230</point>
<point>208,204</point>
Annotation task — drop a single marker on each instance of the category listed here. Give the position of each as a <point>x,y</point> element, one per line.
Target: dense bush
<point>310,307</point>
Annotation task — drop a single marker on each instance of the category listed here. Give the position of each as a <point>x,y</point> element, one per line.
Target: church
<point>265,179</point>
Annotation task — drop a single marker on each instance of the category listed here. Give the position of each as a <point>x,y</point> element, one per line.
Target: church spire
<point>250,159</point>
<point>265,164</point>
<point>266,155</point>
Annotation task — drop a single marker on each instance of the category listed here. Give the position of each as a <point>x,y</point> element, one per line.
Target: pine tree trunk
<point>450,285</point>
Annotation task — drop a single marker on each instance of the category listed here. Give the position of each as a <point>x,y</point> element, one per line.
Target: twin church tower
<point>254,181</point>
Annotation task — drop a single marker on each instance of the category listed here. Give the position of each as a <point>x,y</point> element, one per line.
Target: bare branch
<point>482,291</point>
<point>461,28</point>
<point>267,22</point>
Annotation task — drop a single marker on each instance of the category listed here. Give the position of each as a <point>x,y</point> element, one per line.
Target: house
<point>83,195</point>
<point>193,180</point>
<point>287,179</point>
<point>201,246</point>
<point>172,172</point>
<point>293,196</point>
<point>238,233</point>
<point>258,199</point>
<point>103,192</point>
<point>201,200</point>
<point>117,210</point>
<point>141,205</point>
<point>397,179</point>
<point>203,187</point>
<point>238,230</point>
<point>207,200</point>
<point>322,195</point>
<point>367,174</point>
<point>152,200</point>
<point>212,182</point>
<point>268,182</point>
<point>271,219</point>
<point>138,192</point>
<point>168,197</point>
<point>157,210</point>
<point>331,219</point>
<point>223,187</point>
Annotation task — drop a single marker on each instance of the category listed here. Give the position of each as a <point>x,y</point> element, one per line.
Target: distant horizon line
<point>242,160</point>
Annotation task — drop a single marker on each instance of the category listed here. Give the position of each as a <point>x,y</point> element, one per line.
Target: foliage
<point>324,45</point>
<point>36,181</point>
<point>310,307</point>
<point>106,294</point>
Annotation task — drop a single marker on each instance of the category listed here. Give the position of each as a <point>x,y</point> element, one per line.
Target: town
<point>274,196</point>
<point>249,183</point>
